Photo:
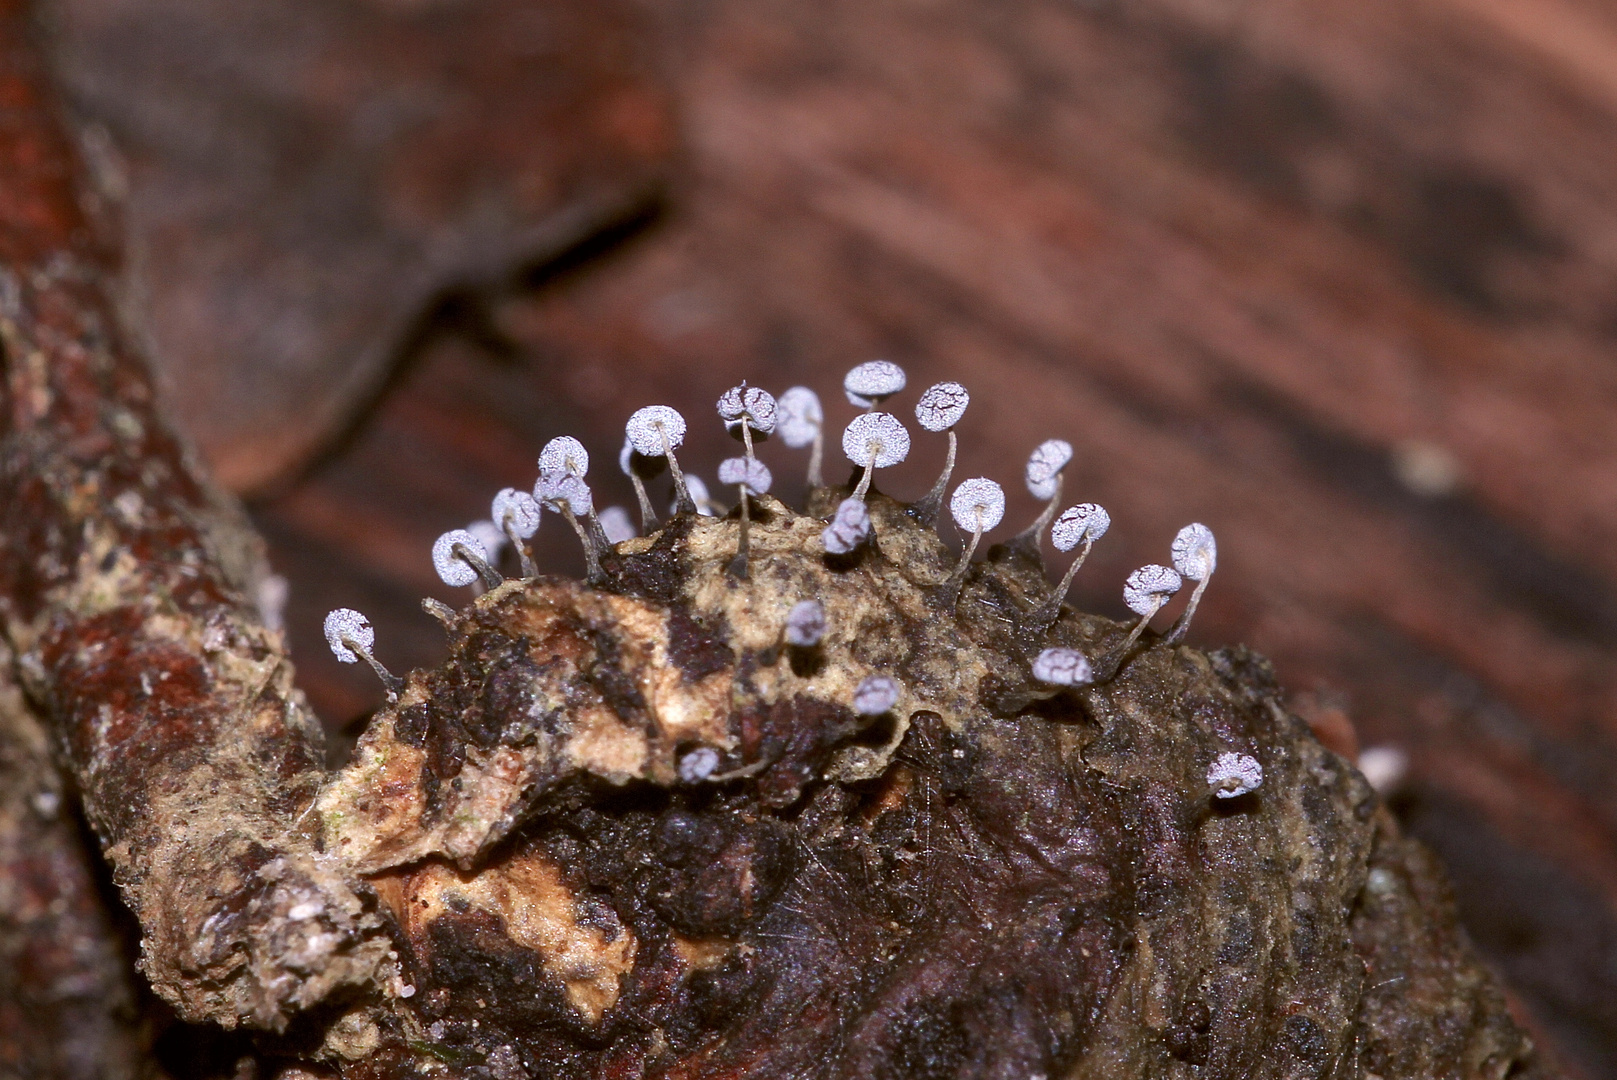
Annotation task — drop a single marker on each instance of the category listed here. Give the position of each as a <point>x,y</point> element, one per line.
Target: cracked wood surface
<point>127,582</point>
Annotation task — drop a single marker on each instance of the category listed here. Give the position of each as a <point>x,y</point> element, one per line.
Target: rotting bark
<point>995,880</point>
<point>126,581</point>
<point>67,1008</point>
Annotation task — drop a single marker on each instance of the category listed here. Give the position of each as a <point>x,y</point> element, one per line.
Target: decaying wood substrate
<point>993,879</point>
<point>126,583</point>
<point>521,874</point>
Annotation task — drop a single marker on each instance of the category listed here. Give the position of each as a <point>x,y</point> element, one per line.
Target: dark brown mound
<point>993,880</point>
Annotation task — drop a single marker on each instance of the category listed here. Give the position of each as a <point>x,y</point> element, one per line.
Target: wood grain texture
<point>301,180</point>
<point>1339,280</point>
<point>127,585</point>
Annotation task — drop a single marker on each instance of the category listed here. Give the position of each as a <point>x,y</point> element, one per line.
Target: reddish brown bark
<point>67,1007</point>
<point>126,582</point>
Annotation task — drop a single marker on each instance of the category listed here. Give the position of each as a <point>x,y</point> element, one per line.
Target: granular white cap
<point>868,383</point>
<point>489,535</point>
<point>556,488</point>
<point>698,765</point>
<point>1086,521</point>
<point>565,454</point>
<point>875,696</point>
<point>848,529</point>
<point>617,525</point>
<point>453,569</point>
<point>516,510</point>
<point>1195,553</point>
<point>749,472</point>
<point>977,505</point>
<point>1062,667</point>
<point>348,623</point>
<point>752,404</point>
<point>1234,774</point>
<point>878,439</point>
<point>798,417</point>
<point>941,406</point>
<point>805,624</point>
<point>1148,586</point>
<point>1045,464</point>
<point>649,426</point>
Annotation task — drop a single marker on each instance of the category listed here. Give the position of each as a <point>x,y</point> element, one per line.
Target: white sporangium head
<point>941,406</point>
<point>805,624</point>
<point>1062,667</point>
<point>557,489</point>
<point>1234,774</point>
<point>1086,521</point>
<point>799,417</point>
<point>747,472</point>
<point>346,625</point>
<point>752,405</point>
<point>977,505</point>
<point>1044,465</point>
<point>564,454</point>
<point>654,430</point>
<point>517,511</point>
<point>1081,524</point>
<point>452,568</point>
<point>870,382</point>
<point>876,440</point>
<point>875,695</point>
<point>1195,552</point>
<point>617,525</point>
<point>698,765</point>
<point>1149,587</point>
<point>489,535</point>
<point>848,528</point>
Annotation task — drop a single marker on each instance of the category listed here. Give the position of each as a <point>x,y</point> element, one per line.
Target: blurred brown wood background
<point>1337,277</point>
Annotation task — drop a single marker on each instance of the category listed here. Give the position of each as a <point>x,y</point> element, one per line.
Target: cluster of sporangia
<point>872,440</point>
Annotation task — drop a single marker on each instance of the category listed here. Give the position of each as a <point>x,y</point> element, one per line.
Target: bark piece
<point>304,179</point>
<point>1000,878</point>
<point>67,1008</point>
<point>125,580</point>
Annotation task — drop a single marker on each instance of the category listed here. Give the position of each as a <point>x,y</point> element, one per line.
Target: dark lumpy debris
<point>719,871</point>
<point>695,649</point>
<point>1031,880</point>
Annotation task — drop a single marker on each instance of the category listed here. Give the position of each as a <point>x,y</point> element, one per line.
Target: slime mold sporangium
<point>783,792</point>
